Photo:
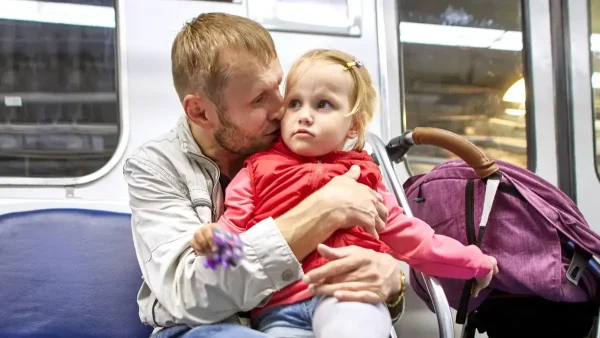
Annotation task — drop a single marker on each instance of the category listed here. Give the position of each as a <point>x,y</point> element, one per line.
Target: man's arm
<point>306,226</point>
<point>303,227</point>
<point>163,222</point>
<point>341,203</point>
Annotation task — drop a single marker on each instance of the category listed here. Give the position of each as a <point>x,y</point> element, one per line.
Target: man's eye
<point>259,99</point>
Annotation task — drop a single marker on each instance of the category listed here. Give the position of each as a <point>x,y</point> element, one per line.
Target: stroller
<point>549,293</point>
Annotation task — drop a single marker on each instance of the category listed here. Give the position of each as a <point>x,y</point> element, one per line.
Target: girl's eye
<point>324,104</point>
<point>294,104</point>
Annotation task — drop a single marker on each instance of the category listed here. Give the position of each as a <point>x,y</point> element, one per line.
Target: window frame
<point>280,25</point>
<point>391,74</point>
<point>124,130</point>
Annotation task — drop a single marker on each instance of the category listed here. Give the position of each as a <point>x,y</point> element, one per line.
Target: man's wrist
<point>397,294</point>
<point>395,304</point>
<point>333,216</point>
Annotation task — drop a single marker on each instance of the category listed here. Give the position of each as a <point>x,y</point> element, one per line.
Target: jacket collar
<point>331,157</point>
<point>188,144</point>
<point>191,149</point>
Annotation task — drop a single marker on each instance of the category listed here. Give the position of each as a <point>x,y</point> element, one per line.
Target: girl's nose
<point>306,117</point>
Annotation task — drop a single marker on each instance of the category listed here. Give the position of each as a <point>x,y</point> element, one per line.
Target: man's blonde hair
<point>363,98</point>
<point>196,52</point>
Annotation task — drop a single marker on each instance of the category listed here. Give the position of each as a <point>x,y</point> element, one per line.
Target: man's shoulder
<point>161,155</point>
<point>163,146</point>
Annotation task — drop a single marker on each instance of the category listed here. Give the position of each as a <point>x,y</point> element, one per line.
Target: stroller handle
<point>461,147</point>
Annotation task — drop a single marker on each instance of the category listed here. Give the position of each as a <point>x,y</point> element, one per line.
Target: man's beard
<point>233,139</point>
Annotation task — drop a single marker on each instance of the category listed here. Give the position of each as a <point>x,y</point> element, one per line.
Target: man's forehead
<point>271,74</point>
<point>257,75</point>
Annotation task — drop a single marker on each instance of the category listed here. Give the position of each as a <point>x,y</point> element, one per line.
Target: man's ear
<point>200,111</point>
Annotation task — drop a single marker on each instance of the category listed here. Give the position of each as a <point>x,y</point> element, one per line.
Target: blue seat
<point>68,273</point>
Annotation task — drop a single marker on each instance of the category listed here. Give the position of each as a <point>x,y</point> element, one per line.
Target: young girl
<point>329,100</point>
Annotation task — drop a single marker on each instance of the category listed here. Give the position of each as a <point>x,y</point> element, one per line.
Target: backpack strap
<point>491,188</point>
<point>578,264</point>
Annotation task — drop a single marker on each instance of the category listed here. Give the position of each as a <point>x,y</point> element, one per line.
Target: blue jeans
<point>297,317</point>
<point>325,317</point>
<point>221,330</point>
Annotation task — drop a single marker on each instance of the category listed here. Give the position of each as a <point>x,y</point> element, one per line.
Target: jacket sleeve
<point>163,223</point>
<point>239,203</point>
<point>414,242</point>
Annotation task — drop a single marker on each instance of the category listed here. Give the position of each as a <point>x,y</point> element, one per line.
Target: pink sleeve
<point>414,242</point>
<point>239,203</point>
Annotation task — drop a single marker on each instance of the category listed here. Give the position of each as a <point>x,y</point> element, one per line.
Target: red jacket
<point>281,179</point>
<point>274,181</point>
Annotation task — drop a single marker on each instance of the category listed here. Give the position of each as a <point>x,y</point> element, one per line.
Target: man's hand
<point>353,204</point>
<point>355,274</point>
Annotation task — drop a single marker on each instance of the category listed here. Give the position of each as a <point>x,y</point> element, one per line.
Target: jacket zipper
<point>318,172</point>
<point>215,183</point>
<point>154,312</point>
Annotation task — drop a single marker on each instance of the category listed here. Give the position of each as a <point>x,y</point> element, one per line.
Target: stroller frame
<point>394,152</point>
<point>434,288</point>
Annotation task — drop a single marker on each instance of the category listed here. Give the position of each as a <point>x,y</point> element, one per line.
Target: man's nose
<point>277,110</point>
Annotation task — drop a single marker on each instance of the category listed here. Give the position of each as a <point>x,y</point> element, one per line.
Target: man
<point>227,75</point>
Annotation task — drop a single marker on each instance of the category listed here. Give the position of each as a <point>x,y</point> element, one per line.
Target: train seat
<point>68,273</point>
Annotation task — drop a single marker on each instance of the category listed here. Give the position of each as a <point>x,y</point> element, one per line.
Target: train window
<point>462,70</point>
<point>595,57</point>
<point>59,111</point>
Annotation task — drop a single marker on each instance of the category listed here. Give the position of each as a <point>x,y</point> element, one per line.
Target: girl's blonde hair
<point>363,98</point>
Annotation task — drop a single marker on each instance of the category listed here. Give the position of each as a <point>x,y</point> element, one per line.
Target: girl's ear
<point>354,130</point>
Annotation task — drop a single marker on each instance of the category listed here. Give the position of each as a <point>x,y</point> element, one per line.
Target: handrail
<point>434,288</point>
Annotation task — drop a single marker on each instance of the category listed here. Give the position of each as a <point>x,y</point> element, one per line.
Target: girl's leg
<point>350,319</point>
<point>285,321</point>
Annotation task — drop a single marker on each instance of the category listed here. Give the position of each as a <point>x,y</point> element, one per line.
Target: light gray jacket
<point>173,191</point>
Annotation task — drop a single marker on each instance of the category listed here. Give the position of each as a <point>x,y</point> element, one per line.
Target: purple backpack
<point>540,239</point>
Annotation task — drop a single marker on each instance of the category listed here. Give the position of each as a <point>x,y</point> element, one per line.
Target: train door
<point>582,50</point>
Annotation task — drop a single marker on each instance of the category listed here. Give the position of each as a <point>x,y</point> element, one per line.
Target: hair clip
<point>356,63</point>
